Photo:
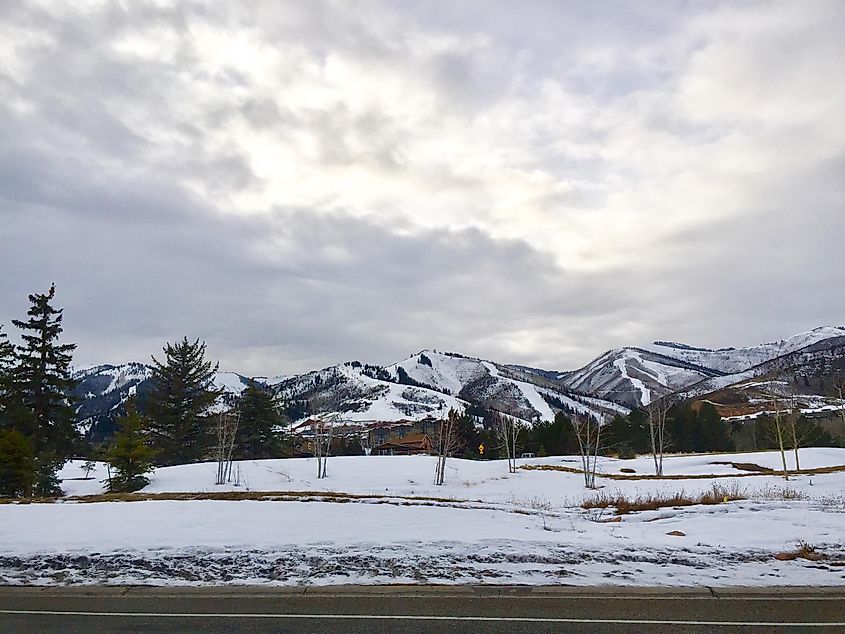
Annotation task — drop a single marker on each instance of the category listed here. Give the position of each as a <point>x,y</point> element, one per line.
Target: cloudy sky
<point>301,183</point>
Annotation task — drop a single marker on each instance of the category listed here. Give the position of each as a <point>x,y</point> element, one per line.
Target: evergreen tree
<point>7,362</point>
<point>258,435</point>
<point>556,438</point>
<point>181,393</point>
<point>129,455</point>
<point>715,434</point>
<point>17,464</point>
<point>628,435</point>
<point>41,381</point>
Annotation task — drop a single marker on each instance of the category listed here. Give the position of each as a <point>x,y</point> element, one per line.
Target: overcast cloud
<point>302,183</point>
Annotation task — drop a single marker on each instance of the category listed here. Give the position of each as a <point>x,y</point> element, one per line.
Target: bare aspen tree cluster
<point>323,429</point>
<point>507,430</point>
<point>227,428</point>
<point>658,412</point>
<point>447,442</point>
<point>588,433</point>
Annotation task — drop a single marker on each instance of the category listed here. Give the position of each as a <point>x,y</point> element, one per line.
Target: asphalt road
<point>419,609</point>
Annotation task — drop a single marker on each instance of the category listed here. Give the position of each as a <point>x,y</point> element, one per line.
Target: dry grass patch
<point>803,550</point>
<point>623,505</point>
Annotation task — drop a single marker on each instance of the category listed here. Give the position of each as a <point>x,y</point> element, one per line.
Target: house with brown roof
<point>410,444</point>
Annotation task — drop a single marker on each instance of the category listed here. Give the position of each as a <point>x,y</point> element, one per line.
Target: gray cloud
<point>305,183</point>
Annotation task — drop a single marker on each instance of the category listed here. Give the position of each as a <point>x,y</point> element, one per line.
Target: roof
<point>411,441</point>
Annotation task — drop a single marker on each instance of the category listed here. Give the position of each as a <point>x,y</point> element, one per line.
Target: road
<point>419,609</point>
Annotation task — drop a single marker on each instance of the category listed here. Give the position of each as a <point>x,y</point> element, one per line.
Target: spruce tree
<point>129,456</point>
<point>182,391</point>
<point>7,361</point>
<point>260,417</point>
<point>41,382</point>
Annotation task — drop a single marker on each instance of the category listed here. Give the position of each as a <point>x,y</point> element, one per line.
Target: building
<point>405,446</point>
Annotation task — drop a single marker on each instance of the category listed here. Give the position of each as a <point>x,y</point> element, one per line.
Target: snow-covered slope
<point>363,393</point>
<point>429,383</point>
<point>634,376</point>
<point>637,376</point>
<point>522,392</point>
<point>732,360</point>
<point>100,390</point>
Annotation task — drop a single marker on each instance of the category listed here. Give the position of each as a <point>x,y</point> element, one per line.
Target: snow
<point>621,364</point>
<point>530,392</point>
<point>446,372</point>
<point>485,526</point>
<point>229,382</point>
<point>734,360</point>
<point>680,367</point>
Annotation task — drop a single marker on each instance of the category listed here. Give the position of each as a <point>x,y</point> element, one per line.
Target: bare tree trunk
<point>840,388</point>
<point>589,440</point>
<point>780,432</point>
<point>226,428</point>
<point>447,443</point>
<point>507,429</point>
<point>658,411</point>
<point>323,431</point>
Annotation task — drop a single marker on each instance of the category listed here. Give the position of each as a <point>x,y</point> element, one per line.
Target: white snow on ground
<point>498,528</point>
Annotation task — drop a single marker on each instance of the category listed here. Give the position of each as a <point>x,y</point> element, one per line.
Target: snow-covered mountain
<point>103,389</point>
<point>426,384</point>
<point>429,383</point>
<point>637,376</point>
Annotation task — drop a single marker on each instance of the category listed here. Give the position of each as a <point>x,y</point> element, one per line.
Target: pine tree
<point>257,431</point>
<point>41,381</point>
<point>129,455</point>
<point>7,361</point>
<point>182,391</point>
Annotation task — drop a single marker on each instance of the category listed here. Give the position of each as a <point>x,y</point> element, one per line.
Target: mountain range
<point>429,383</point>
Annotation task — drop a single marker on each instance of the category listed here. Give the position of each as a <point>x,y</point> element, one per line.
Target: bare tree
<point>839,388</point>
<point>779,422</point>
<point>322,429</point>
<point>447,442</point>
<point>588,432</point>
<point>658,412</point>
<point>792,419</point>
<point>507,429</point>
<point>227,428</point>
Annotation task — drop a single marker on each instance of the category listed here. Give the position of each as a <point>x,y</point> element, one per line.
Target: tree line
<point>174,422</point>
<point>181,418</point>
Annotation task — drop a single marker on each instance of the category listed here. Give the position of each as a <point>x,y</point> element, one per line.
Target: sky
<point>304,183</point>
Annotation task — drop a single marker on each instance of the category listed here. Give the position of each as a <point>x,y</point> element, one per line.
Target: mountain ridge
<point>429,383</point>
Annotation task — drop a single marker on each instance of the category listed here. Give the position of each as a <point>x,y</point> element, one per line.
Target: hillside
<point>103,389</point>
<point>429,383</point>
<point>636,376</point>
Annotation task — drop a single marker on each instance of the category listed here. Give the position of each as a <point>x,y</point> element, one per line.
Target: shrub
<point>17,464</point>
<point>626,452</point>
<point>651,502</point>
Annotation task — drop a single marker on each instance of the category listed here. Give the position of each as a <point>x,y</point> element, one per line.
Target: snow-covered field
<point>487,526</point>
